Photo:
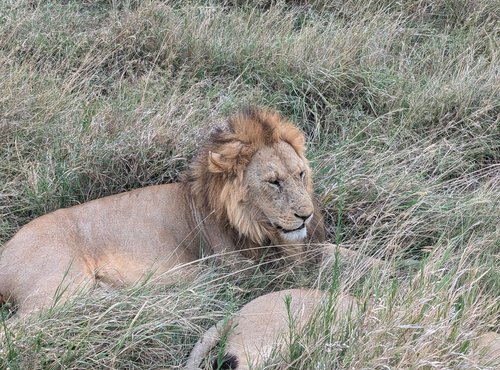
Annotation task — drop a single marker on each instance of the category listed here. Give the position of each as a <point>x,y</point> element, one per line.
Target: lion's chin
<point>294,236</point>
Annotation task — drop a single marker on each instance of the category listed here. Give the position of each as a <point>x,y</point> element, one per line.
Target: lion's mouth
<point>293,235</point>
<point>286,231</point>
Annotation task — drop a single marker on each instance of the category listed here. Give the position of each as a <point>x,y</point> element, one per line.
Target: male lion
<point>249,186</point>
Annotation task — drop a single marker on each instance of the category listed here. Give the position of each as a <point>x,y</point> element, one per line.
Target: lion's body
<point>229,201</point>
<point>264,325</point>
<point>116,239</point>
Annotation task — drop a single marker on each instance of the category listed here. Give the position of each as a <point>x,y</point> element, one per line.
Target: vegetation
<point>400,104</point>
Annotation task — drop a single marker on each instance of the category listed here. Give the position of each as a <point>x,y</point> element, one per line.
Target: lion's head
<point>253,175</point>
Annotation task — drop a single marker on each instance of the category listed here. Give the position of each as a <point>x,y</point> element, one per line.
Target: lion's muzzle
<point>295,233</point>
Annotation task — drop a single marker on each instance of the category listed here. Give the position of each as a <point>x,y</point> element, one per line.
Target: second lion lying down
<point>250,186</point>
<point>262,334</point>
<point>263,326</point>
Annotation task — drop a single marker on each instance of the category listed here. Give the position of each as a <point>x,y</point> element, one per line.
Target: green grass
<point>400,105</point>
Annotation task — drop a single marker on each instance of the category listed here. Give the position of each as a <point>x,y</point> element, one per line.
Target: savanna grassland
<point>400,105</point>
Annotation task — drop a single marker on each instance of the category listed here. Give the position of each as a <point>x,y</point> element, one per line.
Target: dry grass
<point>400,104</point>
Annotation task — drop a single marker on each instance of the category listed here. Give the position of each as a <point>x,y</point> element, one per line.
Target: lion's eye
<point>276,183</point>
<point>302,175</point>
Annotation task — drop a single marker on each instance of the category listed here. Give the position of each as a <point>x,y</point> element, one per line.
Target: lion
<point>248,190</point>
<point>262,326</point>
<point>266,324</point>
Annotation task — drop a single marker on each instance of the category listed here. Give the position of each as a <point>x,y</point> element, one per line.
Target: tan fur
<point>263,325</point>
<point>224,204</point>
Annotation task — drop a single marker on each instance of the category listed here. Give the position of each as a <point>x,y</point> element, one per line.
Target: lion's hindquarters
<point>258,328</point>
<point>264,321</point>
<point>37,277</point>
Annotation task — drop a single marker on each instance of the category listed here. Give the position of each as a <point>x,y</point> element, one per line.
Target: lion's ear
<point>232,157</point>
<point>216,163</point>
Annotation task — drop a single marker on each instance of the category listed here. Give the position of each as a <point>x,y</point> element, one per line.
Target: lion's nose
<point>303,217</point>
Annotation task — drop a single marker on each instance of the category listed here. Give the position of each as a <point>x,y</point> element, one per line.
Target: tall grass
<point>400,105</point>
